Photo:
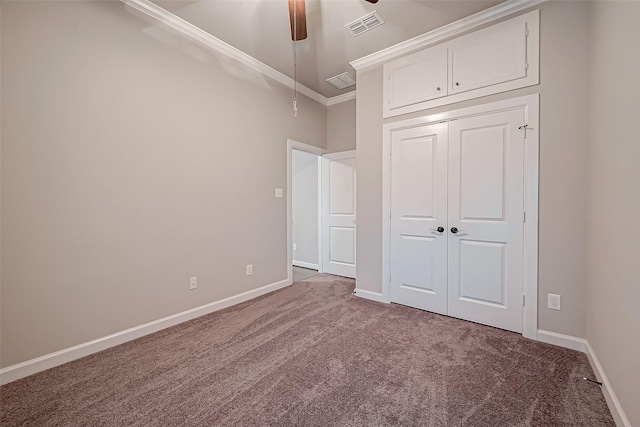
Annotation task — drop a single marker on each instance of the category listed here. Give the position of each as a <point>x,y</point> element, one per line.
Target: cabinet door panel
<point>495,58</point>
<point>416,78</point>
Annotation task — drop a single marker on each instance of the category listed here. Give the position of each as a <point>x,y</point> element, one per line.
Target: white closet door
<point>418,208</point>
<point>486,208</point>
<point>339,213</point>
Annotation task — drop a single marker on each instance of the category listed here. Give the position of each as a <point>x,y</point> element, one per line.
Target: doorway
<point>304,222</point>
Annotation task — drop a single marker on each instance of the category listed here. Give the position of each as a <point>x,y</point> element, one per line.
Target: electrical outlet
<point>279,192</point>
<point>294,246</point>
<point>554,302</point>
<point>193,283</point>
<point>249,269</point>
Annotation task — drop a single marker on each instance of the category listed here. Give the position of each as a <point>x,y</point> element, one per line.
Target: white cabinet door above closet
<point>416,78</point>
<point>494,57</point>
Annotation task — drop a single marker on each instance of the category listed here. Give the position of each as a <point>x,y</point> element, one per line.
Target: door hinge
<point>526,65</point>
<point>524,216</point>
<point>526,31</point>
<point>523,300</point>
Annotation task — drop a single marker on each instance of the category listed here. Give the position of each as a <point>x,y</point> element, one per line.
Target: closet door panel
<point>418,208</point>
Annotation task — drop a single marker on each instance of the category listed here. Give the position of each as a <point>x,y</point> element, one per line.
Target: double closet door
<point>457,213</point>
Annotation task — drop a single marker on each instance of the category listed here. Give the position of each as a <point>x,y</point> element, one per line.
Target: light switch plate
<point>279,192</point>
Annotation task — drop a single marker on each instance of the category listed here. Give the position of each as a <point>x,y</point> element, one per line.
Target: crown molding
<point>341,98</point>
<point>196,33</point>
<point>450,30</point>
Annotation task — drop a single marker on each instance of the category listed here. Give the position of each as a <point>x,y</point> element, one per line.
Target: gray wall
<point>613,274</point>
<point>304,203</point>
<point>563,166</point>
<point>132,159</point>
<point>341,126</point>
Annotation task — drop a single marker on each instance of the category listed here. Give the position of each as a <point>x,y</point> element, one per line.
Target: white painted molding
<point>612,400</point>
<point>341,98</point>
<point>30,367</point>
<point>196,33</point>
<point>562,340</point>
<point>373,296</point>
<point>584,346</point>
<point>445,32</point>
<point>305,265</point>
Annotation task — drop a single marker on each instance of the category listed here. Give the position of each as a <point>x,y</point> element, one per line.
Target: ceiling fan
<point>298,18</point>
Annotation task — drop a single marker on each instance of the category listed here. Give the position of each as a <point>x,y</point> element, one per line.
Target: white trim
<point>339,155</point>
<point>30,367</point>
<point>562,340</point>
<point>341,98</point>
<point>179,24</point>
<point>373,296</point>
<point>584,346</point>
<point>530,104</point>
<point>320,243</point>
<point>301,146</point>
<point>304,264</point>
<point>531,200</point>
<point>612,400</point>
<point>445,32</point>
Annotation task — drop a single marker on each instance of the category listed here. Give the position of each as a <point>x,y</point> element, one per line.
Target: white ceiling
<point>260,28</point>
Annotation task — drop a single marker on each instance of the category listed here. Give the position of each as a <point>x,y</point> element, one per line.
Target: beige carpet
<point>314,355</point>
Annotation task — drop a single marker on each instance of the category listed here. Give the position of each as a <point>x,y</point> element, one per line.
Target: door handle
<point>455,230</point>
<point>439,229</point>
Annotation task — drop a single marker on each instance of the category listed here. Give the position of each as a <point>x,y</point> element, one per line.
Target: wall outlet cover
<point>249,269</point>
<point>554,302</point>
<point>193,282</point>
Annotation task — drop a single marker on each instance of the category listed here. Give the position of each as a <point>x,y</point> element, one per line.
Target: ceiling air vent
<point>342,81</point>
<point>364,24</point>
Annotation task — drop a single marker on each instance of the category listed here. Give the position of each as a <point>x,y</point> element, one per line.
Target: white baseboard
<point>374,296</point>
<point>583,345</point>
<point>29,367</point>
<point>612,401</point>
<point>562,340</point>
<point>305,265</point>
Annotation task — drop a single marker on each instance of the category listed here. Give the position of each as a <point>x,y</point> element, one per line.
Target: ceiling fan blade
<point>301,19</point>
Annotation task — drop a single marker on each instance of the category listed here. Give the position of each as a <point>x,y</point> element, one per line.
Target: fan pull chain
<point>295,60</point>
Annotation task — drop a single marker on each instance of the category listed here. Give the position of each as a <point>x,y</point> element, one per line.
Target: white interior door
<point>486,207</point>
<point>465,176</point>
<point>419,217</point>
<point>339,213</point>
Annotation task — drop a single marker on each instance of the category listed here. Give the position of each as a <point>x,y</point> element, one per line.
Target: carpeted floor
<point>314,355</point>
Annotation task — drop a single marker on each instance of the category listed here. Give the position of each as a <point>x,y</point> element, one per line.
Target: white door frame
<point>301,146</point>
<point>530,105</point>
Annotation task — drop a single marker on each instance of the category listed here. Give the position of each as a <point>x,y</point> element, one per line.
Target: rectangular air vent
<point>342,81</point>
<point>364,24</point>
